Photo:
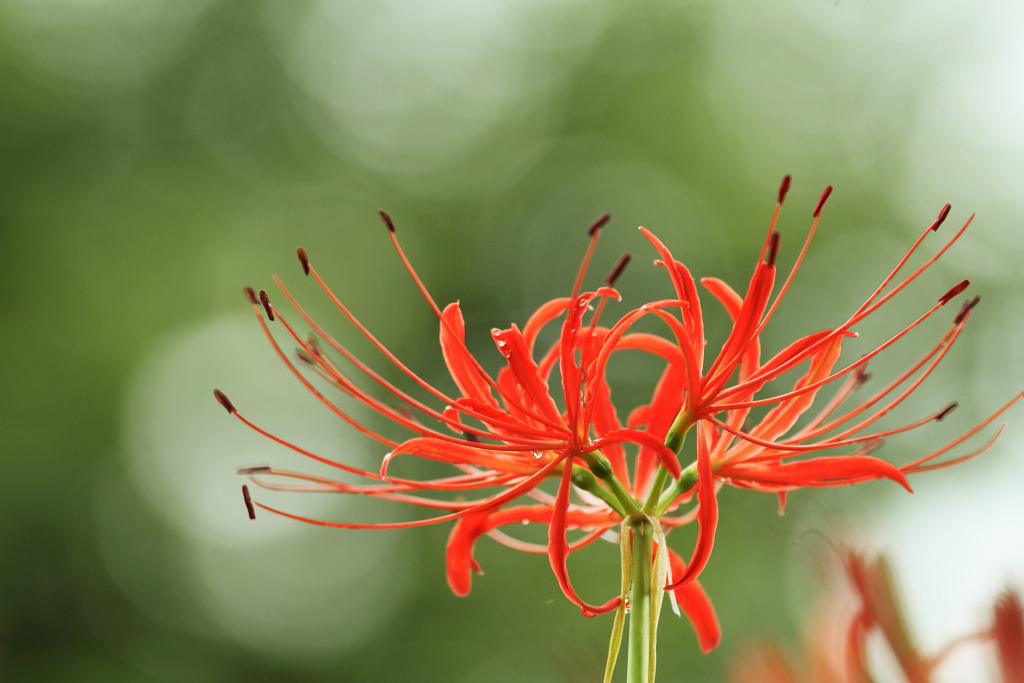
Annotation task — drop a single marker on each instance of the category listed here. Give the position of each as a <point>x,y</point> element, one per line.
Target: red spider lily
<point>504,435</point>
<point>719,400</point>
<point>837,642</point>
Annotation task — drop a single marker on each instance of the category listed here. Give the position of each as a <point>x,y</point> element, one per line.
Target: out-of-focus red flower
<point>861,605</point>
<point>1008,633</point>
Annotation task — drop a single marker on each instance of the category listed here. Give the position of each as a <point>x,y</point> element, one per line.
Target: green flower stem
<point>675,439</point>
<point>583,479</point>
<point>657,486</point>
<point>678,431</point>
<point>641,598</point>
<point>600,467</point>
<point>687,480</point>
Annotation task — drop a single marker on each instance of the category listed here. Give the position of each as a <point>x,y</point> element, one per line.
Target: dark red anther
<point>956,289</point>
<point>784,187</point>
<point>773,249</point>
<point>406,412</point>
<point>617,270</point>
<point>223,400</point>
<point>861,377</point>
<point>387,220</point>
<point>248,502</point>
<point>872,445</point>
<point>313,345</point>
<point>822,200</point>
<point>942,216</point>
<point>250,294</point>
<point>265,300</point>
<point>599,223</point>
<point>259,469</point>
<point>946,411</point>
<point>303,259</point>
<point>965,309</point>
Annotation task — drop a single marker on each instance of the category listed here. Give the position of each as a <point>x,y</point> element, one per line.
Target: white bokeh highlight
<point>275,584</point>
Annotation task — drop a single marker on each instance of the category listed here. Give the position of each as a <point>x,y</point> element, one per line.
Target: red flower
<point>773,453</point>
<point>837,642</point>
<point>504,435</point>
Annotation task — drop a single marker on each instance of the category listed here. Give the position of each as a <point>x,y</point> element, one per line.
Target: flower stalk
<point>640,666</point>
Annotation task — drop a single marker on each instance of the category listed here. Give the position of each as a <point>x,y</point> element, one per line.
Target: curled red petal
<point>541,317</point>
<point>558,547</point>
<point>572,376</point>
<point>527,375</point>
<point>666,455</point>
<point>459,561</point>
<point>707,515</point>
<point>831,470</point>
<point>695,602</point>
<point>467,531</point>
<point>458,358</point>
<point>464,454</point>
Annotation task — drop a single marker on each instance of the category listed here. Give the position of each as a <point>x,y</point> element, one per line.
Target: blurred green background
<point>158,155</point>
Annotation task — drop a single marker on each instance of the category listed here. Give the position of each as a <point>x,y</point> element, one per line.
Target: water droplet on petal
<point>525,522</point>
<point>537,454</point>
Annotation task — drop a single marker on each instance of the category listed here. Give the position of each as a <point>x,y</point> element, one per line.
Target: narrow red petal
<point>823,471</point>
<point>458,358</point>
<point>695,602</point>
<point>459,561</point>
<point>572,376</point>
<point>707,517</point>
<point>468,530</point>
<point>558,548</point>
<point>535,389</point>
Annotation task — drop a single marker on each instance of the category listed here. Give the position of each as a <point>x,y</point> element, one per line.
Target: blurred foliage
<point>158,155</point>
